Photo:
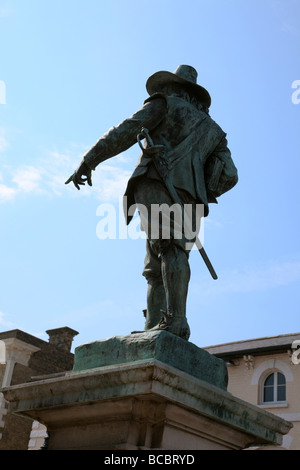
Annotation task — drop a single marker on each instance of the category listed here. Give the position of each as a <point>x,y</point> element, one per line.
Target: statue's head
<point>184,76</point>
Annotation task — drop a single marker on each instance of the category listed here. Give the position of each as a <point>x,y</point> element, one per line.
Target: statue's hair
<point>182,92</point>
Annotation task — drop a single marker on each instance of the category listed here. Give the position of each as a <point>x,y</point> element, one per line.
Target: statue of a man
<point>197,165</point>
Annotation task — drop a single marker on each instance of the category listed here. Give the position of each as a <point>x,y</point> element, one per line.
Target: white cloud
<point>110,182</point>
<point>7,193</point>
<point>49,173</point>
<point>209,222</point>
<point>261,278</point>
<point>27,179</point>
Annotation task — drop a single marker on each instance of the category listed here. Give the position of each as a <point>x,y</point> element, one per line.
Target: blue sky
<point>69,71</point>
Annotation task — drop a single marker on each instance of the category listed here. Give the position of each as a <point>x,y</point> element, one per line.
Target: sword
<point>156,153</point>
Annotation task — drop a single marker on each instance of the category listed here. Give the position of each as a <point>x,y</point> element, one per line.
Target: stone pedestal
<point>141,392</point>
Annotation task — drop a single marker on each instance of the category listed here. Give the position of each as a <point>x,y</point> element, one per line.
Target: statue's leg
<point>156,296</point>
<point>156,302</point>
<point>176,275</point>
<point>166,265</point>
<point>168,275</point>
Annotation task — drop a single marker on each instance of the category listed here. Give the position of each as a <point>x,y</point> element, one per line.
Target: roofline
<point>254,347</point>
<point>23,336</point>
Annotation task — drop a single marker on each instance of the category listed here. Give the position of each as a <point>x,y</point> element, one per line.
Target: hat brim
<point>159,79</point>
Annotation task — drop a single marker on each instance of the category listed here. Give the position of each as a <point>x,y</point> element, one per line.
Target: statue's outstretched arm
<point>117,140</point>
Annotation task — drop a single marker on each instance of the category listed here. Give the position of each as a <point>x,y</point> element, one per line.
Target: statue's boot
<point>174,324</point>
<point>156,302</point>
<point>176,275</point>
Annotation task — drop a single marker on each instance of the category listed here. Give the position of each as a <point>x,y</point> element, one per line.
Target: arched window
<point>274,388</point>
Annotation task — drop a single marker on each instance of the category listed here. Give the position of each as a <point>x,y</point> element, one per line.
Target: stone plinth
<point>148,346</point>
<point>142,404</point>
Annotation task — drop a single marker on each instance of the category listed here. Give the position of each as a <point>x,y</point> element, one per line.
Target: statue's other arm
<point>223,172</point>
<point>118,139</point>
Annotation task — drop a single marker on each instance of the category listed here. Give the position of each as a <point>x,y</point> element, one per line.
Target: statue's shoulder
<point>157,96</point>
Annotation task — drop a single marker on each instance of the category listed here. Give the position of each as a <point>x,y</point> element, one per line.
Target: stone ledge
<point>83,398</point>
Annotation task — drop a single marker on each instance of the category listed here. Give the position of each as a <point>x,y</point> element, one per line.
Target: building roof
<point>254,347</point>
<point>60,338</point>
<point>22,336</point>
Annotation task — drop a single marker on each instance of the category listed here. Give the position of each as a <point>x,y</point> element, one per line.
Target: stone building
<point>266,372</point>
<point>22,357</point>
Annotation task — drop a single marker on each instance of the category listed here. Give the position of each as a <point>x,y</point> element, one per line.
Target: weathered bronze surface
<point>197,168</point>
<point>153,346</point>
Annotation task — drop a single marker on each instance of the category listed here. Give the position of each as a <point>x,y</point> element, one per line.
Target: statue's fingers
<point>89,179</point>
<point>69,180</point>
<point>78,180</point>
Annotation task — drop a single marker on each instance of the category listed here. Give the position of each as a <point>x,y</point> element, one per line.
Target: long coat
<point>201,161</point>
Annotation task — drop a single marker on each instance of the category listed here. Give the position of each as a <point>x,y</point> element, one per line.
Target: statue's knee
<point>166,247</point>
<point>154,281</point>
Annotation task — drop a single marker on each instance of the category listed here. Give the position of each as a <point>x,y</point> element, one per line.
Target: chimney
<point>62,338</point>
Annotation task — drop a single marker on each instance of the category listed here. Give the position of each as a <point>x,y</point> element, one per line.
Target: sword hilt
<point>152,148</point>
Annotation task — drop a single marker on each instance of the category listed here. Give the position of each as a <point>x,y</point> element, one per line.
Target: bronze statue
<point>185,161</point>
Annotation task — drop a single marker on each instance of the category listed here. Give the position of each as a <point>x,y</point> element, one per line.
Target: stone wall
<point>251,361</point>
<point>25,357</point>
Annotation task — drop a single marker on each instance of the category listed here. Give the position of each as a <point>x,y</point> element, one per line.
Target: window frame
<point>275,401</point>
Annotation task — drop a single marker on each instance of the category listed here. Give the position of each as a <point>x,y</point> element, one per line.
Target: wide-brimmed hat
<point>184,75</point>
